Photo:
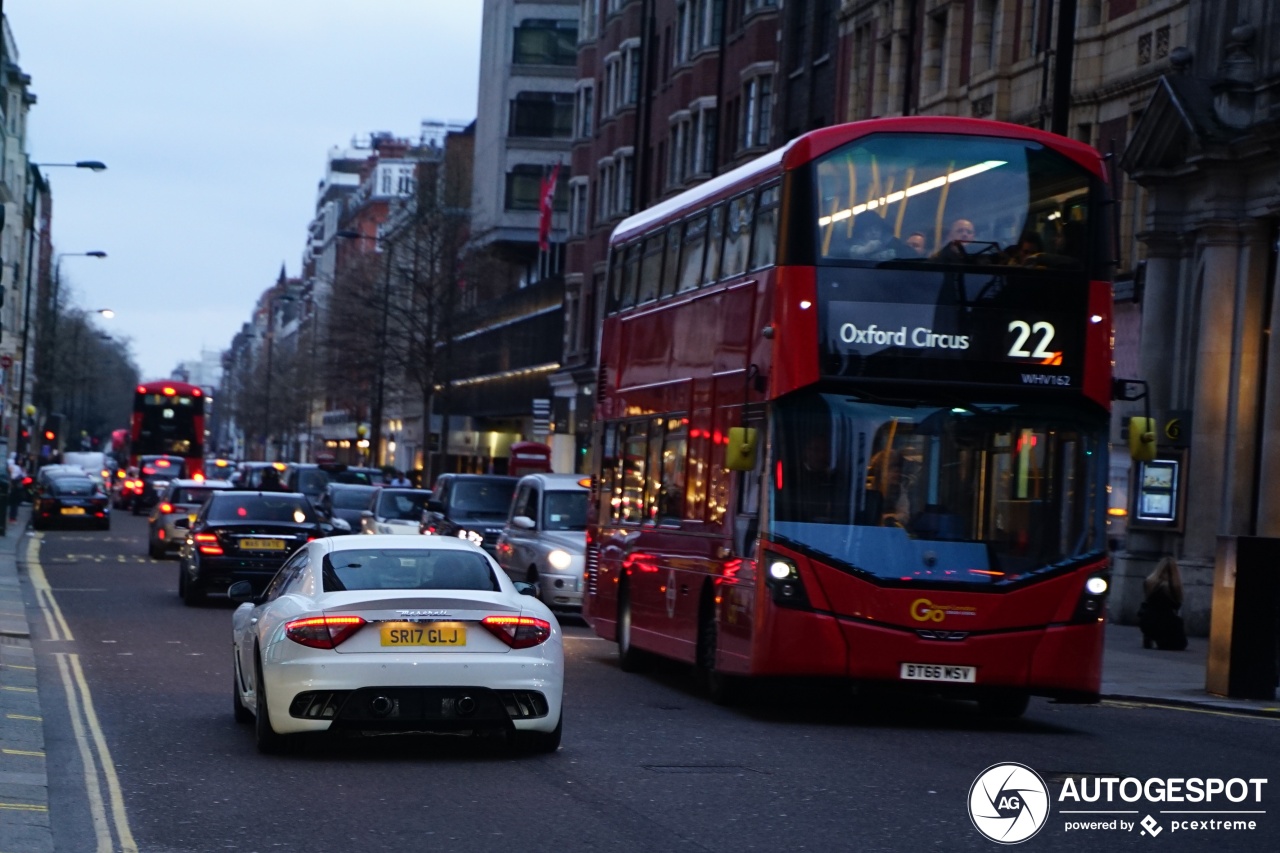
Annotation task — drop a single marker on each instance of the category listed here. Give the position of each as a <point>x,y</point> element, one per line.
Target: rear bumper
<point>427,691</point>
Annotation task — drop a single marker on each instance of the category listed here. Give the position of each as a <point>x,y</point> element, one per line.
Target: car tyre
<point>1005,706</point>
<point>541,742</point>
<point>630,659</point>
<point>720,687</point>
<point>243,714</point>
<point>190,590</point>
<point>270,742</point>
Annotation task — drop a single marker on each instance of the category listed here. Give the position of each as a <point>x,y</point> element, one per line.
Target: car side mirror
<point>524,522</point>
<point>240,592</point>
<point>521,587</point>
<point>182,523</point>
<point>435,506</point>
<point>366,513</point>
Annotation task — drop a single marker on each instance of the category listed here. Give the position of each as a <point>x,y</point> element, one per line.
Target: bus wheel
<point>721,688</point>
<point>630,659</point>
<point>1006,706</point>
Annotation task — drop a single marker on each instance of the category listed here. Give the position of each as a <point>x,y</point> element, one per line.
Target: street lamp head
<point>96,254</point>
<point>92,165</point>
<point>106,312</point>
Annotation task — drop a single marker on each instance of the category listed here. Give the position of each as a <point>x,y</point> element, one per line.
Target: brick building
<point>669,93</point>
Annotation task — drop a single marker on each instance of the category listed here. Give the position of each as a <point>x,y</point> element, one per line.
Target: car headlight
<point>559,559</point>
<point>471,536</point>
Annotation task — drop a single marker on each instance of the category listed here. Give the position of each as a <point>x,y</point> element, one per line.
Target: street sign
<point>6,361</point>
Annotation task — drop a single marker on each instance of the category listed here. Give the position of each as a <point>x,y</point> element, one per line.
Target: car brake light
<point>148,470</point>
<point>199,478</point>
<point>212,550</point>
<point>165,508</point>
<point>518,632</point>
<point>160,533</point>
<point>206,537</point>
<point>323,632</point>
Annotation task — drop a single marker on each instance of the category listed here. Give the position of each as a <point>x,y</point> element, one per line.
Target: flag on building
<point>546,203</point>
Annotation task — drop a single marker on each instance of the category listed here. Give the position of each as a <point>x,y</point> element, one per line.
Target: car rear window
<point>193,495</point>
<point>484,497</point>
<point>245,507</point>
<point>405,506</point>
<point>75,488</point>
<point>351,498</point>
<point>385,568</point>
<point>312,482</point>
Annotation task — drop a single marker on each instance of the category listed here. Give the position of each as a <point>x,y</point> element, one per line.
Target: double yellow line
<point>106,812</point>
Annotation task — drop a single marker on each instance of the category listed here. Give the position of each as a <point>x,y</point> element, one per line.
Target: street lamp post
<point>33,178</point>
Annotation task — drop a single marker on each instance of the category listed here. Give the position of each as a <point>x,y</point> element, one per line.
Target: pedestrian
<point>400,480</point>
<point>16,477</point>
<point>1158,617</point>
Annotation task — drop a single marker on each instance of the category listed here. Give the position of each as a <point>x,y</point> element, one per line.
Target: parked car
<point>545,540</point>
<point>469,506</point>
<point>394,510</point>
<point>346,502</point>
<point>242,536</point>
<point>395,634</point>
<point>71,499</point>
<point>154,475</point>
<point>182,499</point>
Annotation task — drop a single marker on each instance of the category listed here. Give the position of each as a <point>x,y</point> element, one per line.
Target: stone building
<point>1206,152</point>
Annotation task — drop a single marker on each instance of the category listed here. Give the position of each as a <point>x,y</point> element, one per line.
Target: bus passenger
<point>915,243</point>
<point>953,245</point>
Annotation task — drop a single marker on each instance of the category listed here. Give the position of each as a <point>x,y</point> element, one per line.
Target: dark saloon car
<point>154,475</point>
<point>71,499</point>
<point>469,506</point>
<point>182,499</point>
<point>312,478</point>
<point>243,536</point>
<point>346,501</point>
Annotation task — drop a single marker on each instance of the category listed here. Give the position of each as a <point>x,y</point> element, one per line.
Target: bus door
<point>738,569</point>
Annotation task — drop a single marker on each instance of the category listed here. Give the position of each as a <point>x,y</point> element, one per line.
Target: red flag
<point>546,201</point>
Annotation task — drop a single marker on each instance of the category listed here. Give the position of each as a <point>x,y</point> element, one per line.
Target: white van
<point>94,464</point>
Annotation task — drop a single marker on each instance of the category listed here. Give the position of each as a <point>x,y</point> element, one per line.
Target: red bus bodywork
<point>181,433</point>
<point>717,357</point>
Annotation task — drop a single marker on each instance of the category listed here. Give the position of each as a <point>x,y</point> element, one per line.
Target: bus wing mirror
<point>743,448</point>
<point>1142,439</point>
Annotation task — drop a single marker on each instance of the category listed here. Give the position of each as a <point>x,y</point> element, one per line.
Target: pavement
<point>1130,673</point>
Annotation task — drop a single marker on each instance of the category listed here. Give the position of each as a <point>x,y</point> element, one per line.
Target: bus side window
<point>671,268</point>
<point>764,244</point>
<point>610,480</point>
<point>715,239</point>
<point>746,519</point>
<point>650,268</point>
<point>630,273</point>
<point>635,457</point>
<point>737,239</point>
<point>698,468</point>
<point>692,250</point>
<point>671,495</point>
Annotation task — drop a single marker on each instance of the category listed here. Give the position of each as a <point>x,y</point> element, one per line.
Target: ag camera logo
<point>1008,803</point>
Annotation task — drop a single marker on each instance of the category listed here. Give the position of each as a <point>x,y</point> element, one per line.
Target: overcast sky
<point>214,119</point>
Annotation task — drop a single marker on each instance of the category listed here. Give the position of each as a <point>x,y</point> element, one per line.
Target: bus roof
<point>815,143</point>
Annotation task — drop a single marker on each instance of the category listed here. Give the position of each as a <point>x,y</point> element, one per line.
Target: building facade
<point>1206,153</point>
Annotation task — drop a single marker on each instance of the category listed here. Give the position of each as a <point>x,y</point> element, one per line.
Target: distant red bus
<point>852,418</point>
<point>168,418</point>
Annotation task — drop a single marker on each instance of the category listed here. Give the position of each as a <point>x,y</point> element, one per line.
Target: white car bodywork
<point>486,665</point>
<point>531,550</point>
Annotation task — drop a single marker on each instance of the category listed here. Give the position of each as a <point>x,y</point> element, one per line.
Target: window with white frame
<point>386,179</point>
<point>630,91</point>
<point>606,190</point>
<point>749,6</point>
<point>624,172</point>
<point>587,20</point>
<point>612,85</point>
<point>705,134</point>
<point>757,111</point>
<point>579,194</point>
<point>708,21</point>
<point>678,167</point>
<point>584,106</point>
<point>683,33</point>
<point>612,6</point>
<point>404,181</point>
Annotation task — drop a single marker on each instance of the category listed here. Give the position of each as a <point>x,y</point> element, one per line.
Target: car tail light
<point>212,547</point>
<point>518,632</point>
<point>165,508</point>
<point>160,533</point>
<point>323,632</point>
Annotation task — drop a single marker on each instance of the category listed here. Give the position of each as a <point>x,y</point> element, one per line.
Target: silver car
<point>545,539</point>
<point>180,499</point>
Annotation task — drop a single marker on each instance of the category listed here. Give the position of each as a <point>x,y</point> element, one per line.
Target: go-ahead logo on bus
<point>1009,803</point>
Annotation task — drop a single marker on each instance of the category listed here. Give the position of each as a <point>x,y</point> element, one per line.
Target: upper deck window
<point>954,199</point>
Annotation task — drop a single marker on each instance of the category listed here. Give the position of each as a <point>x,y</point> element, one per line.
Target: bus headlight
<point>782,577</point>
<point>1096,585</point>
<point>1093,600</point>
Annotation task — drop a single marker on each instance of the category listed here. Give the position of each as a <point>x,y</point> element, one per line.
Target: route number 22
<point>1024,332</point>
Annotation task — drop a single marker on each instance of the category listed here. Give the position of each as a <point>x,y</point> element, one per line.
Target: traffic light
<point>50,435</point>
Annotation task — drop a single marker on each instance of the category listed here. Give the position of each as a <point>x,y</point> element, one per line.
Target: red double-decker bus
<point>852,416</point>
<point>168,418</point>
